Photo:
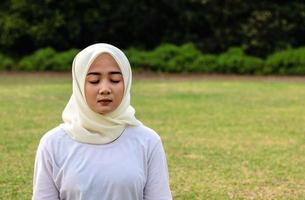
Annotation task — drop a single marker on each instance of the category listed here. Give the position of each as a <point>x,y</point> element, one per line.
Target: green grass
<point>224,139</point>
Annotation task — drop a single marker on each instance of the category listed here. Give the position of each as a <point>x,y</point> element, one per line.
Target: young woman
<point>101,151</point>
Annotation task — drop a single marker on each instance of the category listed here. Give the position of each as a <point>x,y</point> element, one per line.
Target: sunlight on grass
<point>223,139</point>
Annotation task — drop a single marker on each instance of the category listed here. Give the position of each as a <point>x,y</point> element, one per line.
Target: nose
<point>104,88</point>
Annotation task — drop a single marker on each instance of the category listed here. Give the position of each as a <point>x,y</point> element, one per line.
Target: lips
<point>104,101</point>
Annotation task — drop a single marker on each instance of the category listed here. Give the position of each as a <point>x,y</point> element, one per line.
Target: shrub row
<point>46,59</point>
<point>174,59</point>
<point>187,58</point>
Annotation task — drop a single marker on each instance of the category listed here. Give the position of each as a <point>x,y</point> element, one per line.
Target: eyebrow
<point>98,73</point>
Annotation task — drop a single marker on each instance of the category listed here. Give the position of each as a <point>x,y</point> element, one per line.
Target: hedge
<point>187,58</point>
<point>287,62</point>
<point>173,59</point>
<point>237,62</point>
<point>47,60</point>
<point>6,63</point>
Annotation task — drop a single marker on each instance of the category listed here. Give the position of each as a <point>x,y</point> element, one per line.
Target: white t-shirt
<point>133,167</point>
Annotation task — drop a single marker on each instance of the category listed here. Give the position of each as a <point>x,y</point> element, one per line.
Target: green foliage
<point>40,60</point>
<point>187,58</point>
<point>27,25</point>
<point>269,26</point>
<point>48,60</point>
<point>137,58</point>
<point>290,61</point>
<point>166,58</point>
<point>235,61</point>
<point>160,58</point>
<point>12,28</point>
<point>6,63</point>
<point>204,63</point>
<point>62,61</point>
<point>174,59</point>
<point>183,61</point>
<point>261,27</point>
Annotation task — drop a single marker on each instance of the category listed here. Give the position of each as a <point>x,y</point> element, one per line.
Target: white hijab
<point>82,123</point>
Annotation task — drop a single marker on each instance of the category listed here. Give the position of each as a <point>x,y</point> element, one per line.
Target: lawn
<point>224,138</point>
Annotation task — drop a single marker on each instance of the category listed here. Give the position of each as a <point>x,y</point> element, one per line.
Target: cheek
<point>89,92</point>
<point>120,91</point>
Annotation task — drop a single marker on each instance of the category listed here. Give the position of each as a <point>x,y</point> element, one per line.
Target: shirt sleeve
<point>44,187</point>
<point>157,184</point>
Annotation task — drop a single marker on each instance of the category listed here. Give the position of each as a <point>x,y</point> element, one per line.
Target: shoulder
<point>144,132</point>
<point>143,135</point>
<point>53,137</point>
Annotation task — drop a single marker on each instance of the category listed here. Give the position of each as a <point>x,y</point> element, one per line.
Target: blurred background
<point>249,30</point>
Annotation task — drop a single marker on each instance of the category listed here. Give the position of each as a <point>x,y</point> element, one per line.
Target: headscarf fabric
<point>83,124</point>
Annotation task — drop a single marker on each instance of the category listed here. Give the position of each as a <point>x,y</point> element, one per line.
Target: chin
<point>103,112</point>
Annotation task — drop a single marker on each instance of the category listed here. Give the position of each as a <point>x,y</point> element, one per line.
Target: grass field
<point>224,139</point>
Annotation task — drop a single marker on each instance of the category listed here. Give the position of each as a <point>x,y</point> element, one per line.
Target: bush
<point>237,62</point>
<point>6,63</point>
<point>204,63</point>
<point>156,60</point>
<point>172,58</point>
<point>167,58</point>
<point>183,61</point>
<point>137,58</point>
<point>40,60</point>
<point>160,57</point>
<point>290,62</point>
<point>48,60</point>
<point>63,61</point>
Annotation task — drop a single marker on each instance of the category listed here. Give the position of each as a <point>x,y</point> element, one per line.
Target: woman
<point>101,151</point>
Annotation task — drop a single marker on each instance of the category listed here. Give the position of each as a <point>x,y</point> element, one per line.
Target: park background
<point>220,81</point>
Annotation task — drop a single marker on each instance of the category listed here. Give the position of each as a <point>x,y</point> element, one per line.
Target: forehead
<point>104,62</point>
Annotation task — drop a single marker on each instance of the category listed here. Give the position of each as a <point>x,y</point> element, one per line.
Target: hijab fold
<point>83,124</point>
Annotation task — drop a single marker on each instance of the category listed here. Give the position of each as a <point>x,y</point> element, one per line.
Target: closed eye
<point>94,82</point>
<point>115,81</point>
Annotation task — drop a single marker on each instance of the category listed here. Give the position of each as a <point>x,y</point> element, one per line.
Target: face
<point>104,85</point>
